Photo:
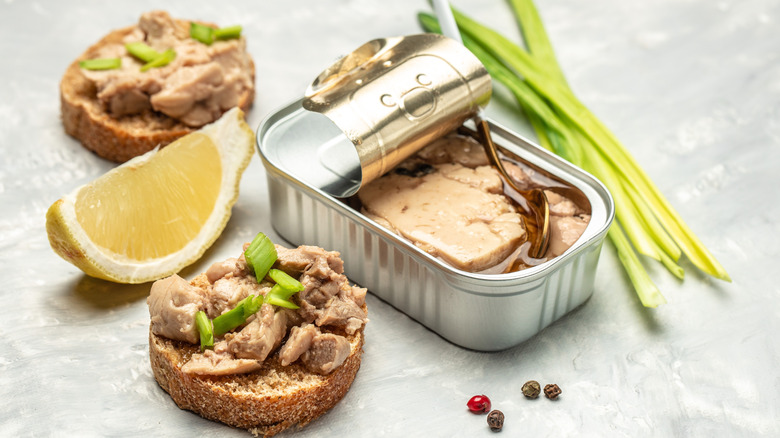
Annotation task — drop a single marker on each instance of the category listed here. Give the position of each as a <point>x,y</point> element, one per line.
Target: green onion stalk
<point>645,222</point>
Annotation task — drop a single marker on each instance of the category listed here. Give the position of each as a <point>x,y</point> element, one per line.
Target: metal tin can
<point>477,311</point>
<point>388,99</point>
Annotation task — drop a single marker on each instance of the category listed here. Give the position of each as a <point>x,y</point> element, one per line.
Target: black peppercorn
<point>552,391</point>
<point>531,389</point>
<point>495,420</point>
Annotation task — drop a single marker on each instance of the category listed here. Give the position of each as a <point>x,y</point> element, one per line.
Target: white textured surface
<point>691,87</point>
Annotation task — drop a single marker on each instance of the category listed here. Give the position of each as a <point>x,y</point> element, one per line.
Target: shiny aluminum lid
<point>382,103</point>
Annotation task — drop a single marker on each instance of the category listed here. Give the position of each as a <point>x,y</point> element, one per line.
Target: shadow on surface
<point>102,294</point>
<point>692,274</point>
<point>647,314</point>
<point>717,286</point>
<point>648,318</point>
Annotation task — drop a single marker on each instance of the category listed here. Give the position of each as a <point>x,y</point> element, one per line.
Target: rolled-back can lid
<point>385,101</point>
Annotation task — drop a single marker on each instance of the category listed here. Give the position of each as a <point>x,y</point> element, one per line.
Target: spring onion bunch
<point>645,222</point>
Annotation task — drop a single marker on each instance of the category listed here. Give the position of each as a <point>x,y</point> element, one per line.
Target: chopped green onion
<point>278,296</point>
<point>101,64</point>
<point>226,33</point>
<point>232,318</point>
<point>164,59</point>
<point>252,304</point>
<point>151,57</point>
<point>205,329</point>
<point>284,280</point>
<point>282,292</point>
<point>142,51</point>
<point>260,256</point>
<point>204,34</point>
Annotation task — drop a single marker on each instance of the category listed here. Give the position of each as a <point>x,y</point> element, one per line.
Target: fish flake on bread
<point>122,113</point>
<point>285,367</point>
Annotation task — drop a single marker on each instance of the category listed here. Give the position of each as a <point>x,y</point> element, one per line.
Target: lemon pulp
<point>156,207</point>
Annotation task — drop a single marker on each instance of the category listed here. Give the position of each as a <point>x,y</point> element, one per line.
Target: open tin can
<point>485,312</point>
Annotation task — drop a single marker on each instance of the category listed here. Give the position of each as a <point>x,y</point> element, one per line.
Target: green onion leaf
<point>227,33</point>
<point>205,329</point>
<point>282,292</point>
<point>260,256</point>
<point>229,320</point>
<point>204,34</point>
<point>151,57</point>
<point>233,317</point>
<point>238,315</point>
<point>280,297</point>
<point>284,280</point>
<point>101,64</point>
<point>536,38</point>
<point>142,51</point>
<point>252,304</point>
<point>164,59</point>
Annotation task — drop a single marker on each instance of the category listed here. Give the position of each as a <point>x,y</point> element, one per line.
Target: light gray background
<point>691,87</point>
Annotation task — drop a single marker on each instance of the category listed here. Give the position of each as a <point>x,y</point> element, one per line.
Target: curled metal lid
<point>388,99</point>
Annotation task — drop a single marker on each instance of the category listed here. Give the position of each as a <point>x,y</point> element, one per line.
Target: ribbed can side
<point>481,312</point>
<point>481,315</point>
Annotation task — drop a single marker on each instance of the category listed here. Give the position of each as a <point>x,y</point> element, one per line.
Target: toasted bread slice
<point>119,139</point>
<point>266,401</point>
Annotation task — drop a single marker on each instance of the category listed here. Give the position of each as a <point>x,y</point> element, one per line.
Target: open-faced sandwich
<point>146,85</point>
<point>264,341</point>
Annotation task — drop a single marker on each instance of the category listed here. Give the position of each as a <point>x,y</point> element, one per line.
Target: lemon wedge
<point>157,213</point>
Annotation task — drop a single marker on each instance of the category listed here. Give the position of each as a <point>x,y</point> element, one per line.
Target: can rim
<point>544,159</point>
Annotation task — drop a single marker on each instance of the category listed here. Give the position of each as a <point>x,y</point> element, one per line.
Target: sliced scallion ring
<point>260,256</point>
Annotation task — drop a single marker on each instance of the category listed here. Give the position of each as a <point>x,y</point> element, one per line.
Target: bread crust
<point>266,401</point>
<point>119,139</point>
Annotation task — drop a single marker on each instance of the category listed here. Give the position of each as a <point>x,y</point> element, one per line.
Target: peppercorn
<point>531,389</point>
<point>495,420</point>
<point>552,391</point>
<point>479,404</point>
